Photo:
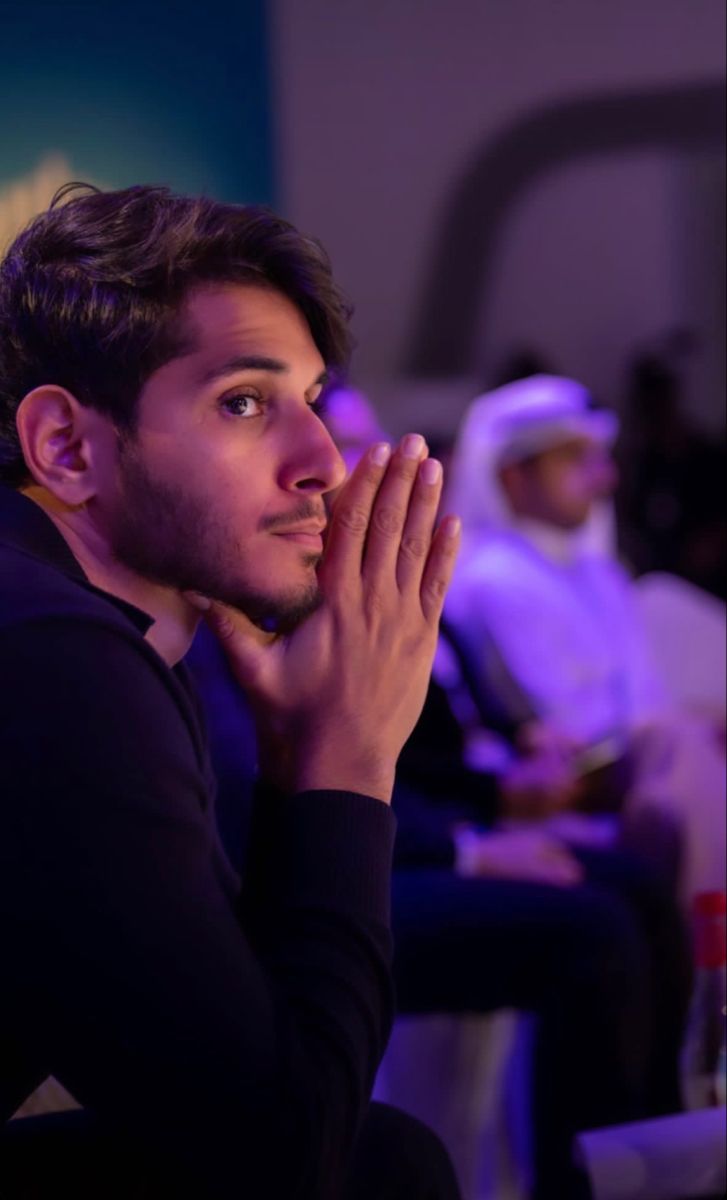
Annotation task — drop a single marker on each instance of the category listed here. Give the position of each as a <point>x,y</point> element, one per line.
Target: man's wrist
<point>318,761</point>
<point>331,772</point>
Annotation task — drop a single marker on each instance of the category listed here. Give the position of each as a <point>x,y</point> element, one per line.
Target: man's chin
<point>277,614</point>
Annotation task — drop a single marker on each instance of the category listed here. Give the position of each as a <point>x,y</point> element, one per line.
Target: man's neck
<point>557,545</point>
<point>175,620</point>
<point>595,538</point>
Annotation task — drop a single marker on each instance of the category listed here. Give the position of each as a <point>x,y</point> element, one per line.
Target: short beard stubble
<point>169,535</point>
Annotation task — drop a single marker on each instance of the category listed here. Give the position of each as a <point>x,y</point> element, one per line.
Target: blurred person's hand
<point>522,854</point>
<point>545,737</point>
<point>539,785</point>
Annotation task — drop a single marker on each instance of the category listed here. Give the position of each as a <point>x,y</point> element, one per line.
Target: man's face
<point>220,488</point>
<point>560,485</point>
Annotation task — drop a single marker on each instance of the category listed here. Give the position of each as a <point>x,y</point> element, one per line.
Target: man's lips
<point>307,535</point>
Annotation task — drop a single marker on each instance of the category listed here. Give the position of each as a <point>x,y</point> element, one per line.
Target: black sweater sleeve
<point>237,1038</point>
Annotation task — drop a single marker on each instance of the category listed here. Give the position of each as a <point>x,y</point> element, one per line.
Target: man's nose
<point>312,462</point>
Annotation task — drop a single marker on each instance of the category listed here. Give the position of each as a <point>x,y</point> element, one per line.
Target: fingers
<point>243,642</point>
<point>401,490</point>
<point>517,854</point>
<point>552,859</point>
<point>381,527</point>
<point>351,514</point>
<point>560,867</point>
<point>543,859</point>
<point>439,567</point>
<point>416,539</point>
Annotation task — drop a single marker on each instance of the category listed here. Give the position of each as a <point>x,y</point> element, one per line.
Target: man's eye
<point>242,405</point>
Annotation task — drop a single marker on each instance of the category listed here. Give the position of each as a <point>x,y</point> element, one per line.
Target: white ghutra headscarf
<point>508,425</point>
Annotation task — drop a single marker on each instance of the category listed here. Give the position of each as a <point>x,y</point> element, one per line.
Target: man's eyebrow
<point>244,362</point>
<point>252,362</point>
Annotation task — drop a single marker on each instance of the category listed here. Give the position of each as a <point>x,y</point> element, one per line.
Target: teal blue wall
<point>163,91</point>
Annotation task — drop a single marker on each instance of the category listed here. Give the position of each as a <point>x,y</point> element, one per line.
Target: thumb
<point>245,646</point>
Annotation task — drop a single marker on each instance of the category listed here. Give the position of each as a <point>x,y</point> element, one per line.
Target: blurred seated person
<point>488,918</point>
<point>671,498</point>
<point>546,618</point>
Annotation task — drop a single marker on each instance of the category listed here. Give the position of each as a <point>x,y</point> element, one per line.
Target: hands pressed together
<point>336,699</point>
<point>528,855</point>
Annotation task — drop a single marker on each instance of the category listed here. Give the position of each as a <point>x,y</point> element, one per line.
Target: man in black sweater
<point>160,362</point>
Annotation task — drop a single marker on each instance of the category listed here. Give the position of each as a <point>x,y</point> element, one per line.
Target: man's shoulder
<point>71,658</point>
<point>52,624</point>
<point>32,590</point>
<point>496,561</point>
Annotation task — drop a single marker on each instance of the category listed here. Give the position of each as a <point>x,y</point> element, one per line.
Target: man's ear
<point>59,438</point>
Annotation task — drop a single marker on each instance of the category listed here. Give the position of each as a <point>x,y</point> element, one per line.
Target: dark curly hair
<point>91,293</point>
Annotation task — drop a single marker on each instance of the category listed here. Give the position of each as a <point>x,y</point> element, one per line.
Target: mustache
<point>307,510</point>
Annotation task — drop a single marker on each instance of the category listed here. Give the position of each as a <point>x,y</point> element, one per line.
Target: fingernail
<point>380,454</point>
<point>430,471</point>
<point>412,445</point>
<point>452,526</point>
<point>198,601</point>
